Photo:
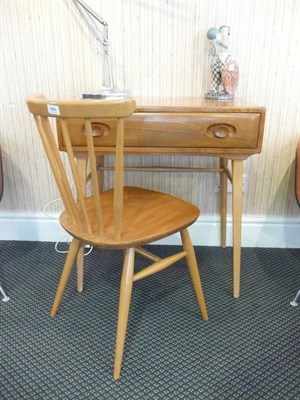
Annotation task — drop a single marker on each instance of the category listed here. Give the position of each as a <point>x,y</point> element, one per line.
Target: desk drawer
<point>193,130</point>
<point>183,130</point>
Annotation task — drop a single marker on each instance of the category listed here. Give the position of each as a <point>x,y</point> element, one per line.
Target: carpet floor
<point>248,350</point>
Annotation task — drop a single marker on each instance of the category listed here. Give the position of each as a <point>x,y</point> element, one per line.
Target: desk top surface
<point>195,104</point>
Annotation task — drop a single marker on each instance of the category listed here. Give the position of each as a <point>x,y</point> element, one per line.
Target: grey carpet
<point>249,349</point>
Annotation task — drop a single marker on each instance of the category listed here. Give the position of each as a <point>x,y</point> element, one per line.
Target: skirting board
<point>256,231</point>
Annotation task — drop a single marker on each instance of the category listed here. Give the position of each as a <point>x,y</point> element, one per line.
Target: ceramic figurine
<point>224,71</point>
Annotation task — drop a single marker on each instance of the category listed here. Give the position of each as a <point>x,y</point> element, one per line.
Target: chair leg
<point>194,272</point>
<point>74,247</point>
<point>3,294</point>
<point>124,304</point>
<point>295,302</point>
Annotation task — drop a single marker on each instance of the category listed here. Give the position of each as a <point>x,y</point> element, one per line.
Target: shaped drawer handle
<point>99,129</point>
<point>221,131</point>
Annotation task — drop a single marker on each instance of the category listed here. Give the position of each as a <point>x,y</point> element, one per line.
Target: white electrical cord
<point>67,237</point>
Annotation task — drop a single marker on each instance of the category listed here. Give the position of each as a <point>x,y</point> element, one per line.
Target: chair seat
<point>147,216</point>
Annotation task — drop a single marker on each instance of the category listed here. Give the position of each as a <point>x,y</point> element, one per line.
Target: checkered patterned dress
<point>217,66</point>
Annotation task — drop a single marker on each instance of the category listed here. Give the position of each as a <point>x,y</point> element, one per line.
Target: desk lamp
<point>108,88</point>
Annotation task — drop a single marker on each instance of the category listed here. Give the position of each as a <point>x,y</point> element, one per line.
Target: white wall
<point>159,48</point>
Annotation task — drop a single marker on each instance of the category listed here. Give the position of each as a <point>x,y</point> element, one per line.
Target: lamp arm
<point>108,86</point>
<point>86,12</point>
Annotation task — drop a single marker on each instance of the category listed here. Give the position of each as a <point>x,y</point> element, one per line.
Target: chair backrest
<point>44,109</point>
<point>1,176</point>
<point>297,174</point>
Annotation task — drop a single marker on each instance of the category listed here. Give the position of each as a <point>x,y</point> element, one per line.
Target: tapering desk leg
<point>223,200</point>
<point>80,267</point>
<point>237,205</point>
<point>82,171</point>
<point>100,163</point>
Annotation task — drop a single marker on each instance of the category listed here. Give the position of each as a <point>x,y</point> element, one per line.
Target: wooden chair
<point>119,218</point>
<point>2,292</point>
<point>295,302</point>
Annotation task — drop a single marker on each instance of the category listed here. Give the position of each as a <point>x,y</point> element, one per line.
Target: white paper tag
<point>52,109</point>
<point>231,67</point>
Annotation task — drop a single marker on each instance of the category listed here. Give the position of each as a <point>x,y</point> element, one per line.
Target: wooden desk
<point>228,130</point>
